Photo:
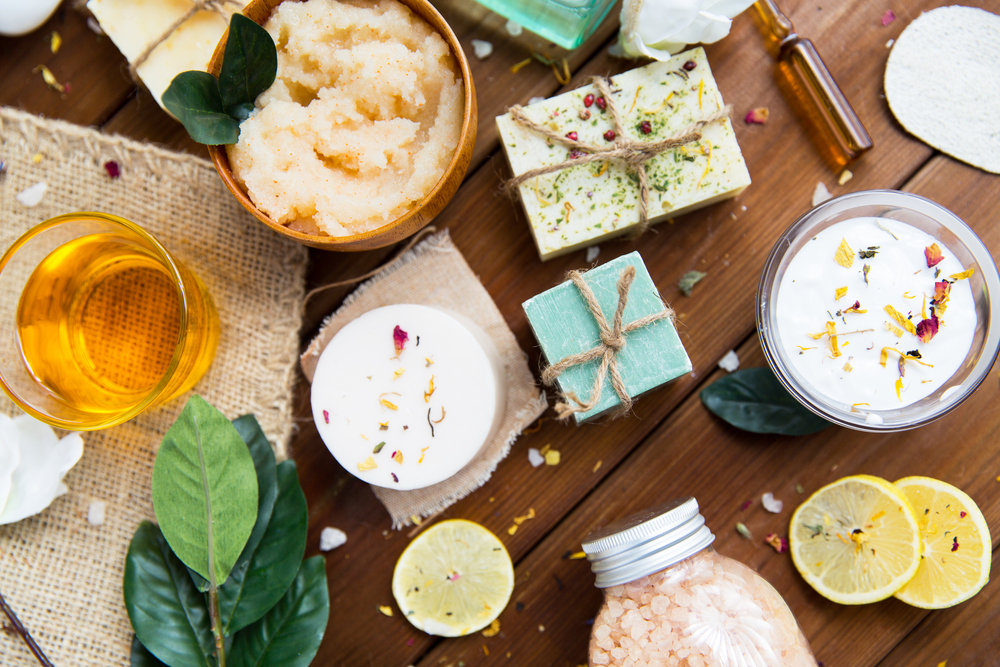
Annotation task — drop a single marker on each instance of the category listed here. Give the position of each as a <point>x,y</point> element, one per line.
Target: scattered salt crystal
<point>482,49</point>
<point>845,176</point>
<point>730,361</point>
<point>592,253</point>
<point>890,43</point>
<point>873,418</point>
<point>32,195</point>
<point>331,538</point>
<point>770,503</point>
<point>535,458</point>
<point>820,194</point>
<point>514,28</point>
<point>96,512</point>
<point>536,100</point>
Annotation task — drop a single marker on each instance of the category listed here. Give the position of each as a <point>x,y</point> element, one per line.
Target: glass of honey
<point>98,322</point>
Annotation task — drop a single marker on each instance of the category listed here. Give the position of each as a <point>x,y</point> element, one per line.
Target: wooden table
<point>670,446</point>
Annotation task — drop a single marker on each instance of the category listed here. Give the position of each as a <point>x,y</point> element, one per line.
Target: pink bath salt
<point>646,611</point>
<point>659,604</point>
<point>678,614</point>
<point>616,591</point>
<point>618,654</point>
<point>615,608</point>
<point>601,632</point>
<point>639,630</point>
<point>606,644</point>
<point>599,658</point>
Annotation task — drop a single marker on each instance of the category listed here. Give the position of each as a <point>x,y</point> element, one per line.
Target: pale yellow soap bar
<point>135,24</point>
<point>583,205</point>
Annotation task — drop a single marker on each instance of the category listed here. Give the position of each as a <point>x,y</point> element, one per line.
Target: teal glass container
<point>565,22</point>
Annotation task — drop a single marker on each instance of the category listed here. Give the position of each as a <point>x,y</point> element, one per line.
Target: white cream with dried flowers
<point>893,295</point>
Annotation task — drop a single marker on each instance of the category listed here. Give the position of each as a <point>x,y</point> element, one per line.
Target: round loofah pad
<point>942,82</point>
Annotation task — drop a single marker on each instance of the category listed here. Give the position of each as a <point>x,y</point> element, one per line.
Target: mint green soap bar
<point>563,324</point>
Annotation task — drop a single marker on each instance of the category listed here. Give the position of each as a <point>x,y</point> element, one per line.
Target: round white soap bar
<point>897,276</point>
<point>405,396</point>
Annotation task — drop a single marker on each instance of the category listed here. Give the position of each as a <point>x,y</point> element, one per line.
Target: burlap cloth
<point>434,273</point>
<point>62,575</point>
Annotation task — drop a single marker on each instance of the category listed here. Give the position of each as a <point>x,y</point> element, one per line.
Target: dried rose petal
<point>780,544</point>
<point>888,17</point>
<point>572,136</point>
<point>609,135</point>
<point>399,338</point>
<point>933,255</point>
<point>927,329</point>
<point>962,515</point>
<point>744,506</point>
<point>326,416</point>
<point>588,100</point>
<point>757,116</point>
<point>112,168</point>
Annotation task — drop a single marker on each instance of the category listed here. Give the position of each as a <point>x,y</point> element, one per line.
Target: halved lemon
<point>955,562</point>
<point>453,579</point>
<point>856,540</point>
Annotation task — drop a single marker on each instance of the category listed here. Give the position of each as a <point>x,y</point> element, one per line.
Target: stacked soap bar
<point>583,205</point>
<point>135,24</point>
<point>564,325</point>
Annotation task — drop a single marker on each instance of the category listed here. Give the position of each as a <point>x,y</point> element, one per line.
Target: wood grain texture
<point>670,445</point>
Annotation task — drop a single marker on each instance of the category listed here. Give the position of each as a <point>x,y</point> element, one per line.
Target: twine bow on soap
<point>632,154</point>
<point>612,342</point>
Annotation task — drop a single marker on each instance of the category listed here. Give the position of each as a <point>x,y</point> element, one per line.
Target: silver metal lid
<point>646,542</point>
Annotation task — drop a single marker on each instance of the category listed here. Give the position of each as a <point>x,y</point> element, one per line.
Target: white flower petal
<point>535,457</point>
<point>10,456</point>
<point>660,28</point>
<point>482,49</point>
<point>45,460</point>
<point>658,20</point>
<point>730,361</point>
<point>32,195</point>
<point>727,8</point>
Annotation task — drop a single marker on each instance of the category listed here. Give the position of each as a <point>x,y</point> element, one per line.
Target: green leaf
<point>753,399</point>
<point>249,66</point>
<point>141,657</point>
<point>168,613</point>
<point>205,490</point>
<point>193,97</point>
<point>290,633</point>
<point>267,491</point>
<point>264,573</point>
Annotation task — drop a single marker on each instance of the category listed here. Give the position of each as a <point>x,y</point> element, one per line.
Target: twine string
<point>632,154</point>
<point>613,339</point>
<point>197,6</point>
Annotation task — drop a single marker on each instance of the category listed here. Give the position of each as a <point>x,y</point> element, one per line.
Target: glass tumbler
<point>98,322</point>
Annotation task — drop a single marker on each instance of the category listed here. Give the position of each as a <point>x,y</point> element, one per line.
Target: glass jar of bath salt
<point>670,599</point>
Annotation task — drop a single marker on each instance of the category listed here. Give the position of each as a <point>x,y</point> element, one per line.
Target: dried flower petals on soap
<point>399,338</point>
<point>844,255</point>
<point>933,255</point>
<point>756,116</point>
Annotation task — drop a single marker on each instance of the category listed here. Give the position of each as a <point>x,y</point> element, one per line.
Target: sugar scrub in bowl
<point>670,599</point>
<point>367,129</point>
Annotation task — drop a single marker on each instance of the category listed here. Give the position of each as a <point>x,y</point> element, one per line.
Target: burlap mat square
<point>434,273</point>
<point>61,574</point>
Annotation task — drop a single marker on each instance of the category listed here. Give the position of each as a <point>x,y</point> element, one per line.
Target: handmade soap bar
<point>583,205</point>
<point>564,325</point>
<point>135,24</point>
<point>405,395</point>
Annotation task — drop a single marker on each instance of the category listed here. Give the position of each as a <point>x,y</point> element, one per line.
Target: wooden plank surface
<point>671,445</point>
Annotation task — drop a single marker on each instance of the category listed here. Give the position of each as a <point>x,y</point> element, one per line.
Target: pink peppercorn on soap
<point>583,205</point>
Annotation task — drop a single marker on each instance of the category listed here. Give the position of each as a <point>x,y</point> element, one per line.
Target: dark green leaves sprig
<point>211,109</point>
<point>271,607</point>
<point>753,399</point>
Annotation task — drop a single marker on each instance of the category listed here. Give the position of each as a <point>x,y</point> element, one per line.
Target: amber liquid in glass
<point>99,322</point>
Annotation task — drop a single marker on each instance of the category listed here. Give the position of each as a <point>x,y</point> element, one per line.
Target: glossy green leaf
<point>205,490</point>
<point>168,613</point>
<point>290,633</point>
<point>249,65</point>
<point>267,490</point>
<point>753,399</point>
<point>141,657</point>
<point>264,573</point>
<point>194,98</point>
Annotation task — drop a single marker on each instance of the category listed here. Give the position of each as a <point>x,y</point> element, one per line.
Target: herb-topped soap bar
<point>564,325</point>
<point>582,205</point>
<point>405,395</point>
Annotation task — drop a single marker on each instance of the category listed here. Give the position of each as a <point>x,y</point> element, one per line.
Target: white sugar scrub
<point>878,286</point>
<point>405,396</point>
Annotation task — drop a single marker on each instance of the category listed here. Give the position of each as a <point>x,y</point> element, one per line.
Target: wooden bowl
<point>428,207</point>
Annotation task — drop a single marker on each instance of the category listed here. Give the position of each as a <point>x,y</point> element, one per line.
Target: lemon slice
<point>453,579</point>
<point>957,547</point>
<point>856,540</point>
